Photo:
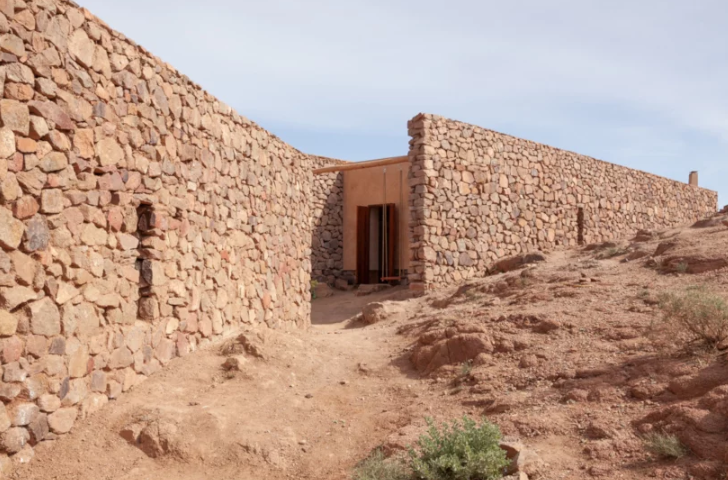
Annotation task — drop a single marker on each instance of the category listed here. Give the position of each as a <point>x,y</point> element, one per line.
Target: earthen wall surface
<point>139,218</point>
<point>479,196</point>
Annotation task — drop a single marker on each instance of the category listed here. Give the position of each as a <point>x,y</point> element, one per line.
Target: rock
<point>39,428</point>
<point>11,230</point>
<point>323,290</point>
<point>12,44</point>
<point>45,319</point>
<point>120,358</point>
<point>109,152</point>
<point>37,234</point>
<point>81,48</point>
<point>14,439</point>
<point>528,361</point>
<point>62,420</point>
<point>5,422</point>
<point>341,284</point>
<point>23,414</point>
<point>8,323</point>
<point>378,312</point>
<point>51,201</point>
<point>232,363</point>
<point>49,403</point>
<point>15,116</point>
<point>7,143</point>
<point>53,162</point>
<point>157,438</point>
<point>25,207</point>
<point>52,113</point>
<point>514,263</point>
<point>371,288</point>
<point>12,298</point>
<point>94,403</point>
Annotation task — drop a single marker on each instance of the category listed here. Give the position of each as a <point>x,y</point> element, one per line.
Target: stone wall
<point>139,218</point>
<point>327,247</point>
<point>479,196</point>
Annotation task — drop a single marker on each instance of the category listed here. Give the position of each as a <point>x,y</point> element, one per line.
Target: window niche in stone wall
<point>149,262</point>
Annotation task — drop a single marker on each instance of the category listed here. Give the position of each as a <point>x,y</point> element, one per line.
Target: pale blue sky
<point>640,83</point>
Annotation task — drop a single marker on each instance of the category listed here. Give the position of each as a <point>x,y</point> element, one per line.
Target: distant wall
<point>479,196</point>
<point>139,218</point>
<point>327,210</point>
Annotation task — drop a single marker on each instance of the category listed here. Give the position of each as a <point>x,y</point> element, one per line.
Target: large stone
<point>15,116</point>
<point>13,297</point>
<point>24,413</point>
<point>61,421</point>
<point>25,207</point>
<point>82,48</point>
<point>12,44</point>
<point>109,152</point>
<point>81,320</point>
<point>37,234</point>
<point>49,403</point>
<point>45,319</point>
<point>78,363</point>
<point>121,358</point>
<point>54,162</point>
<point>14,439</point>
<point>39,428</point>
<point>52,113</point>
<point>11,230</point>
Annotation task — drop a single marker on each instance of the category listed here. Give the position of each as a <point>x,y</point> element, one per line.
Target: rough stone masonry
<point>139,218</point>
<point>479,196</point>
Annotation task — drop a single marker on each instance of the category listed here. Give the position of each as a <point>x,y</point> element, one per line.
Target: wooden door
<point>392,247</point>
<point>362,245</point>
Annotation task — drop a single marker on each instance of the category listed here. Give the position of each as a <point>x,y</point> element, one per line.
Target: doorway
<point>376,243</point>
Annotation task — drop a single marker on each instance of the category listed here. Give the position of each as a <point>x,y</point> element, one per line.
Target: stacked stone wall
<point>478,196</point>
<point>327,247</point>
<point>140,217</point>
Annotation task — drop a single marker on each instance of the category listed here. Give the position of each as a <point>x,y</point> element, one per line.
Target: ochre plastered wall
<point>478,196</point>
<point>366,186</point>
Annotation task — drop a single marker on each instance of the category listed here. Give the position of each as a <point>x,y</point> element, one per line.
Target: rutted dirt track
<point>561,355</point>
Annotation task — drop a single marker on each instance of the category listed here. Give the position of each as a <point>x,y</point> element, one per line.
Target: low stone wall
<point>327,247</point>
<point>140,217</point>
<point>478,196</point>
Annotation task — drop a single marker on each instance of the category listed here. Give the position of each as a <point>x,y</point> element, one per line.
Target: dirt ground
<point>563,355</point>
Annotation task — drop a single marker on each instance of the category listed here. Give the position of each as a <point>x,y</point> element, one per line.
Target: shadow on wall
<point>327,246</point>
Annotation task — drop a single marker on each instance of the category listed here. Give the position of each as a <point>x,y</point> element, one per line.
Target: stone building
<point>140,217</point>
<point>476,196</point>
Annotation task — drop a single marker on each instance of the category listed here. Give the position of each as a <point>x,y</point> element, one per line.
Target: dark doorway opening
<point>580,226</point>
<point>376,244</point>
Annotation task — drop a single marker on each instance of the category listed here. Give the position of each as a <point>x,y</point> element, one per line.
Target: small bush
<point>314,284</point>
<point>462,451</point>
<point>466,368</point>
<point>681,267</point>
<point>665,446</point>
<point>696,315</point>
<point>376,467</point>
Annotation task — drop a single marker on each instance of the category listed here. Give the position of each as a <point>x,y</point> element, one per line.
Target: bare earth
<point>563,358</point>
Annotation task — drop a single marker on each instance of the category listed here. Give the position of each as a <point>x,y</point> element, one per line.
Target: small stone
<point>7,143</point>
<point>12,44</point>
<point>12,298</point>
<point>39,428</point>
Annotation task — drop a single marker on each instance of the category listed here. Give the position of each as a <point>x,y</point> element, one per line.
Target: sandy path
<point>319,402</point>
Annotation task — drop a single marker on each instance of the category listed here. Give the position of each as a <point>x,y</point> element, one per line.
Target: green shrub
<point>462,451</point>
<point>666,446</point>
<point>696,315</point>
<point>376,467</point>
<point>314,284</point>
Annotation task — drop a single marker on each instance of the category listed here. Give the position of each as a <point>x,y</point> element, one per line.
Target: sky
<point>639,83</point>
